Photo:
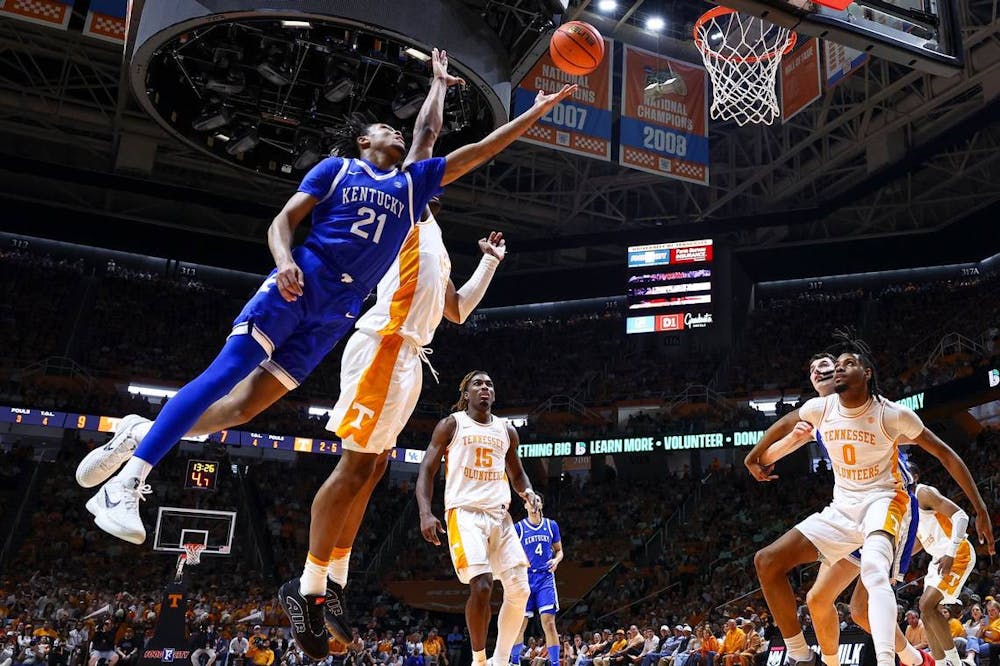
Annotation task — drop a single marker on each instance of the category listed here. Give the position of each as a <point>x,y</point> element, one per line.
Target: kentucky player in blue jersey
<point>543,545</point>
<point>362,206</point>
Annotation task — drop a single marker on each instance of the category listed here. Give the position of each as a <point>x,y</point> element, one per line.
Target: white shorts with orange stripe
<point>952,584</point>
<point>483,542</point>
<point>841,528</point>
<point>380,381</point>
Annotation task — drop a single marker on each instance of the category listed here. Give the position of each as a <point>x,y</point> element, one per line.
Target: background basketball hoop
<point>190,557</point>
<point>742,54</point>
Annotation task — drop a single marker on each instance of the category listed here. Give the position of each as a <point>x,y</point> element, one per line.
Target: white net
<point>742,54</point>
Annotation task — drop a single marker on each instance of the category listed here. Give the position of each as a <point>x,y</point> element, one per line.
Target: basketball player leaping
<point>380,381</point>
<point>542,543</point>
<point>362,208</point>
<point>870,509</point>
<point>480,452</point>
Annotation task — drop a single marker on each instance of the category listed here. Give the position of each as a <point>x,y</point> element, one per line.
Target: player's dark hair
<point>819,356</point>
<point>913,467</point>
<point>463,385</point>
<point>850,343</point>
<point>344,135</point>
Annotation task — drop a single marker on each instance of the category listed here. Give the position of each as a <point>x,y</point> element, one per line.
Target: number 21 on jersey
<point>367,217</point>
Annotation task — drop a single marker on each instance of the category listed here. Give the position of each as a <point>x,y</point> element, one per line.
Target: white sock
<point>479,657</point>
<point>797,647</point>
<point>340,562</point>
<point>831,660</point>
<point>313,578</point>
<point>952,655</point>
<point>140,430</point>
<point>910,656</point>
<point>135,467</point>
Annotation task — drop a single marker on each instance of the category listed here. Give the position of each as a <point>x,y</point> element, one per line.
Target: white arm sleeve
<point>473,291</point>
<point>959,525</point>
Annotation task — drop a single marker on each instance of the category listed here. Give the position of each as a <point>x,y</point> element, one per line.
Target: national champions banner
<point>53,13</point>
<point>106,20</point>
<point>580,124</point>
<point>664,134</point>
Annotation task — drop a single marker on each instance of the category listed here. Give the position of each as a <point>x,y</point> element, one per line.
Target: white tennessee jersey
<point>410,297</point>
<point>934,532</point>
<point>863,443</point>
<point>475,465</point>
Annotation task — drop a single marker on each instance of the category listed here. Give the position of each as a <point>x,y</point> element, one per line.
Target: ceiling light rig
<point>274,87</point>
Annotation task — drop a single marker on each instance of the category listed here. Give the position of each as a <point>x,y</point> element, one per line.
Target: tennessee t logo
<point>363,413</point>
<point>174,599</point>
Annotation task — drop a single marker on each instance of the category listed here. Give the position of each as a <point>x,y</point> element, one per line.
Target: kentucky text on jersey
<point>375,197</point>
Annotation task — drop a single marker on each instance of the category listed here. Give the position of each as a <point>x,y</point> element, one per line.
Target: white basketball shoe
<point>102,462</point>
<point>116,508</point>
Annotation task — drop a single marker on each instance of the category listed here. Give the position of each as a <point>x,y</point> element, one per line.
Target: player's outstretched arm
<point>459,303</point>
<point>289,279</point>
<point>519,480</point>
<point>956,467</point>
<point>430,526</point>
<point>793,441</point>
<point>467,158</point>
<point>427,126</point>
<point>783,426</point>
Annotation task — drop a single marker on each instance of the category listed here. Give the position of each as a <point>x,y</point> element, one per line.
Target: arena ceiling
<point>890,151</point>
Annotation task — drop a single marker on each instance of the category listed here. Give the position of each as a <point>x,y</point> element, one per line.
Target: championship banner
<point>106,20</point>
<point>801,84</point>
<point>840,61</point>
<point>579,125</point>
<point>53,13</point>
<point>664,124</point>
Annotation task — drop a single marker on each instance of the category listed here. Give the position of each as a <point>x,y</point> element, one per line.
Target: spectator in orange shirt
<point>709,648</point>
<point>732,644</point>
<point>915,632</point>
<point>752,645</point>
<point>434,649</point>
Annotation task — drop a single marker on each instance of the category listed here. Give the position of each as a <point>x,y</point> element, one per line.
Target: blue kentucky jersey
<point>537,542</point>
<point>364,214</point>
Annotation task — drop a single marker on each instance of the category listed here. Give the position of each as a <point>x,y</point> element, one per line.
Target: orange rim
<point>716,12</point>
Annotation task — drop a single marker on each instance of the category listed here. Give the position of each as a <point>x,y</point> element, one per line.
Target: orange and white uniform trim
<point>381,374</point>
<point>481,534</point>
<point>935,534</point>
<point>870,482</point>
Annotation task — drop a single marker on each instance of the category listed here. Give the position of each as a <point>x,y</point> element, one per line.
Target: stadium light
<point>607,6</point>
<point>655,24</point>
<point>296,24</point>
<point>152,391</point>
<point>414,53</point>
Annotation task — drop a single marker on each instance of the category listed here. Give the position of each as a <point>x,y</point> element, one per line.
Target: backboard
<point>176,526</point>
<point>922,34</point>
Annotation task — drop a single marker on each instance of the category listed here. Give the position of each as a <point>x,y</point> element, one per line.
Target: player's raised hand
<point>760,472</point>
<point>430,527</point>
<point>494,245</point>
<point>439,65</point>
<point>984,528</point>
<point>290,281</point>
<point>549,100</point>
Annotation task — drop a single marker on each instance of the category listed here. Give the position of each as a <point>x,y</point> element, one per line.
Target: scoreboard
<point>669,287</point>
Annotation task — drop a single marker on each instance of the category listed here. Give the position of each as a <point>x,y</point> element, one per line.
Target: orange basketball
<point>577,48</point>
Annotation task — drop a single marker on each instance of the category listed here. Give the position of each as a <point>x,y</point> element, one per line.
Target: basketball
<point>577,48</point>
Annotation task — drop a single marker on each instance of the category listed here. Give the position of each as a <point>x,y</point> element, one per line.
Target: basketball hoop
<point>190,557</point>
<point>742,54</point>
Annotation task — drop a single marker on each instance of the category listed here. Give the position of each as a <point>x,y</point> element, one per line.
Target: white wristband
<point>473,291</point>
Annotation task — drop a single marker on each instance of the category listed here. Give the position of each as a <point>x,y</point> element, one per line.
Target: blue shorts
<point>543,597</point>
<point>297,335</point>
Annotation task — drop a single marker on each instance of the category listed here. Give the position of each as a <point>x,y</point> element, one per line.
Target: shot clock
<point>201,475</point>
